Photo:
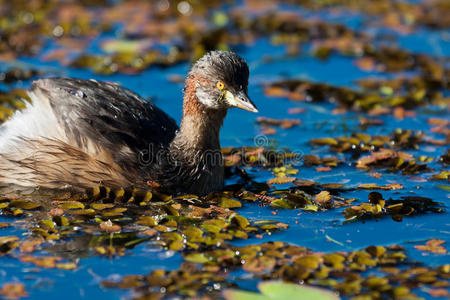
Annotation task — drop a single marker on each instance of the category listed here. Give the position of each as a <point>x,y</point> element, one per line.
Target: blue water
<point>313,229</point>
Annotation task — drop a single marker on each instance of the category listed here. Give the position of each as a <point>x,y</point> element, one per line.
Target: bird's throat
<point>200,127</point>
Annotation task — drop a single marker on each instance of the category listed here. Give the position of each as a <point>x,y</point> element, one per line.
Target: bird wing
<point>99,114</point>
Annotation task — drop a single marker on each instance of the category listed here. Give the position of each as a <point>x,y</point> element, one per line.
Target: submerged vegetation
<point>362,165</point>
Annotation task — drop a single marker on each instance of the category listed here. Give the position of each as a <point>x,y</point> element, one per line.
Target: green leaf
<point>444,187</point>
<point>101,206</point>
<point>229,203</point>
<point>125,46</point>
<point>24,204</point>
<point>71,205</point>
<point>243,295</point>
<point>273,290</point>
<point>198,258</point>
<point>280,203</point>
<point>282,290</point>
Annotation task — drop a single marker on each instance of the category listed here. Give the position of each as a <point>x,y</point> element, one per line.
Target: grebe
<point>83,133</point>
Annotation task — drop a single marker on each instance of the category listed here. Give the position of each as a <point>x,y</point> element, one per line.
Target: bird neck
<point>194,157</point>
<point>200,127</point>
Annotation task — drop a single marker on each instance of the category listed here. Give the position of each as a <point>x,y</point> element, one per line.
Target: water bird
<point>82,133</point>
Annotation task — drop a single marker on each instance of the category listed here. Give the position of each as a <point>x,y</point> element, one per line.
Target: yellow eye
<point>220,85</point>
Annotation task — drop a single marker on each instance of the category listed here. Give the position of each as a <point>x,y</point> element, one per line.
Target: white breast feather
<point>36,121</point>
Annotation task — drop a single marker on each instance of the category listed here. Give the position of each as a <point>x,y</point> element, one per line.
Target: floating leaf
<point>434,246</point>
<point>229,203</point>
<point>41,261</point>
<point>71,205</point>
<point>110,227</point>
<point>198,258</point>
<point>8,243</point>
<point>4,225</point>
<point>323,141</point>
<point>274,290</point>
<point>14,290</point>
<point>66,266</point>
<point>125,46</point>
<point>101,206</point>
<point>374,186</point>
<point>324,199</point>
<point>24,204</point>
<point>281,180</point>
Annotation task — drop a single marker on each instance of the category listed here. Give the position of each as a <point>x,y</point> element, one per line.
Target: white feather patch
<point>36,121</point>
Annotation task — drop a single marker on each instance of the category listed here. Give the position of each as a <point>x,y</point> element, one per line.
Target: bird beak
<point>240,100</point>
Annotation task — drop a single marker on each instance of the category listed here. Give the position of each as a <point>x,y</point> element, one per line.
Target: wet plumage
<point>82,133</point>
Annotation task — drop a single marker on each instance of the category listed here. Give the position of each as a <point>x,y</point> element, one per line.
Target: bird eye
<point>220,85</point>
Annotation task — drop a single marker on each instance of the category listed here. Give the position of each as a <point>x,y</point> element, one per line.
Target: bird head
<point>221,80</point>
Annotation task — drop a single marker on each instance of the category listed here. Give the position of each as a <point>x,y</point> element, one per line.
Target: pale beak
<point>240,100</point>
